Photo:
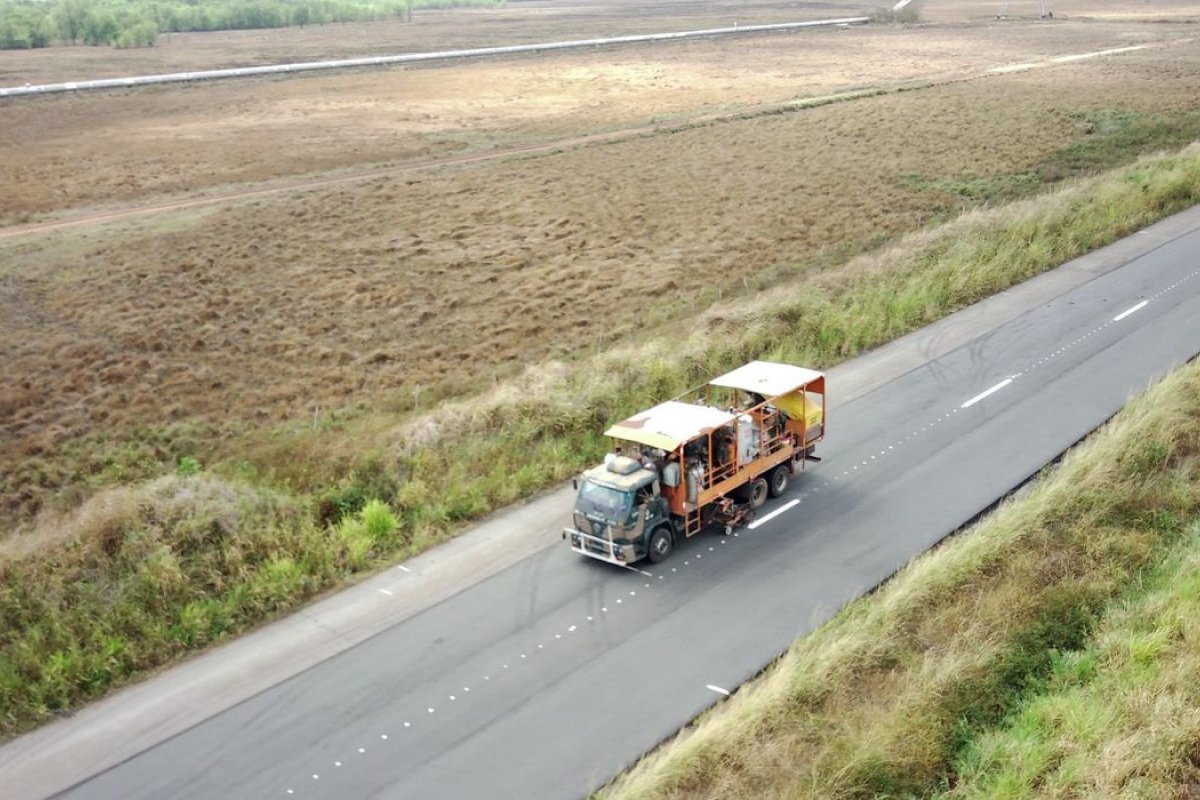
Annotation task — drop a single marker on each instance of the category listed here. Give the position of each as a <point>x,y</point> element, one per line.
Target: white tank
<point>695,477</point>
<point>670,475</point>
<point>748,439</point>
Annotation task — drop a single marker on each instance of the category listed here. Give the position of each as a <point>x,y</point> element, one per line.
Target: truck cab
<point>618,512</point>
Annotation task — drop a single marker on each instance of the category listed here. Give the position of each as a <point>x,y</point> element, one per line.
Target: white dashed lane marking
<point>1129,311</point>
<point>789,505</point>
<point>987,393</point>
<point>717,689</point>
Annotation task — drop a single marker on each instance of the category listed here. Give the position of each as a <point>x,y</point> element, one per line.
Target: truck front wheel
<point>661,545</point>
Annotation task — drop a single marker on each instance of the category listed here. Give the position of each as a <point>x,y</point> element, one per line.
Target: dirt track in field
<point>440,279</point>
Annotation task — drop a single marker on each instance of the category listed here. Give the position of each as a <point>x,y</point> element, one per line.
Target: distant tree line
<point>137,23</point>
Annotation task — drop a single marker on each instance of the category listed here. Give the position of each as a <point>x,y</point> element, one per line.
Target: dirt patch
<point>397,290</point>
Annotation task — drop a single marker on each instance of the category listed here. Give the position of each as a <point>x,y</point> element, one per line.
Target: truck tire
<point>661,545</point>
<point>778,481</point>
<point>758,491</point>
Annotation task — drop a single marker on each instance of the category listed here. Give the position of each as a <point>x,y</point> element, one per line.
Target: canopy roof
<point>767,378</point>
<point>669,424</point>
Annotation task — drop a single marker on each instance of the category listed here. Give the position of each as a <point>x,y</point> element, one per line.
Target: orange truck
<point>708,457</point>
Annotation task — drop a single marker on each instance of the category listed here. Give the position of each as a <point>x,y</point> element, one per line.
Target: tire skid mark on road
<point>846,473</point>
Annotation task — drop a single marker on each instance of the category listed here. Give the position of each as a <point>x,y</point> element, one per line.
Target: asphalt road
<point>548,677</point>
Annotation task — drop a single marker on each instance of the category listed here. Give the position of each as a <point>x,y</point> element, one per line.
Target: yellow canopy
<point>801,405</point>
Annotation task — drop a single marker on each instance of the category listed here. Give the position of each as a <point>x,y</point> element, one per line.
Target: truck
<point>710,456</point>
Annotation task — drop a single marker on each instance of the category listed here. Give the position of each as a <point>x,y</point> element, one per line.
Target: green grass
<point>1048,652</point>
<point>171,566</point>
<point>1106,140</point>
<point>1121,716</point>
<point>1110,136</point>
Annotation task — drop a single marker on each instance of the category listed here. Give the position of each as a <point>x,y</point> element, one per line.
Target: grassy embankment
<point>142,575</point>
<point>1051,651</point>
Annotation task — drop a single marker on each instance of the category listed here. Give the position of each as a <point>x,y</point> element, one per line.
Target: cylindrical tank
<point>695,479</point>
<point>670,474</point>
<point>748,440</point>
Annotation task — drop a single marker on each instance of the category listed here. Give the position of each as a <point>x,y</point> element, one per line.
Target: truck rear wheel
<point>779,480</point>
<point>757,492</point>
<point>661,545</point>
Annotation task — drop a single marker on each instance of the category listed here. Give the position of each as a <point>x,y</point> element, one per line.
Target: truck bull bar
<point>608,552</point>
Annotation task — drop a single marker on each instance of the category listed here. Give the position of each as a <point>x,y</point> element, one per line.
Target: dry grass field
<point>415,280</point>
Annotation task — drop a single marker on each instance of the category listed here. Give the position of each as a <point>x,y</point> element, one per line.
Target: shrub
<point>99,27</point>
<point>368,533</point>
<point>379,522</point>
<point>140,34</point>
<point>188,466</point>
<point>279,582</point>
<point>371,479</point>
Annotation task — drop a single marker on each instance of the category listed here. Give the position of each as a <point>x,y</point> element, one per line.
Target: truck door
<point>647,510</point>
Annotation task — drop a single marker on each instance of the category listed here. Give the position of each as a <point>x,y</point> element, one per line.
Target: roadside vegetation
<point>137,23</point>
<point>1108,137</point>
<point>1050,651</point>
<point>142,574</point>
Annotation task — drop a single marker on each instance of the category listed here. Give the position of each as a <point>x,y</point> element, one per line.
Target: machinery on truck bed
<point>709,456</point>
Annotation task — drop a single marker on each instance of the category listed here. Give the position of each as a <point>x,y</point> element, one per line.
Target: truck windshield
<point>612,504</point>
